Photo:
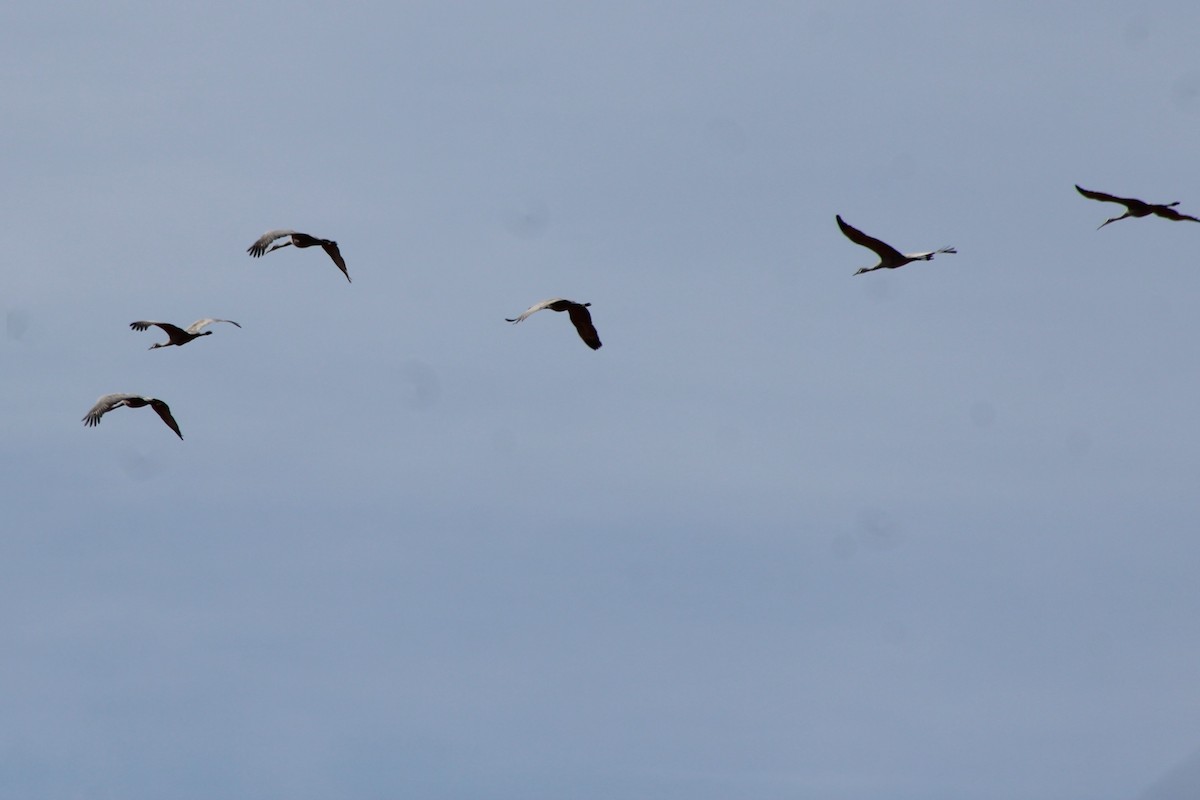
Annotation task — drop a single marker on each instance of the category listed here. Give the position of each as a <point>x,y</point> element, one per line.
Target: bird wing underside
<point>1109,198</point>
<point>164,411</point>
<point>331,249</point>
<point>582,320</point>
<point>1170,213</point>
<point>884,250</point>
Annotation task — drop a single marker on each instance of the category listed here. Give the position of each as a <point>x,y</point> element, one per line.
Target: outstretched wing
<point>581,318</point>
<point>105,404</point>
<point>533,309</point>
<point>164,411</point>
<point>332,249</point>
<point>172,330</point>
<point>1170,213</point>
<point>886,252</point>
<point>260,246</point>
<point>1107,198</point>
<point>201,324</point>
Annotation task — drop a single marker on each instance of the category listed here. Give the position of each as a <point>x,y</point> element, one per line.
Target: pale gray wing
<point>533,309</point>
<point>201,324</point>
<point>886,252</point>
<point>929,253</point>
<point>105,404</point>
<point>260,246</point>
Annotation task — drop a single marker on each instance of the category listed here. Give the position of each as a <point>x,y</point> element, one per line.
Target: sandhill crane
<point>889,257</point>
<point>581,318</point>
<point>1135,208</point>
<point>179,337</point>
<point>299,240</point>
<point>110,401</point>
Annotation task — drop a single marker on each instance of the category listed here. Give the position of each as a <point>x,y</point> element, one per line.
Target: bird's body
<point>299,240</point>
<point>110,401</point>
<point>179,336</point>
<point>581,318</point>
<point>889,257</point>
<point>1135,207</point>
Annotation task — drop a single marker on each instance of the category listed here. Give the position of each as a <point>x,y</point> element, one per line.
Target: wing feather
<point>105,404</point>
<point>260,246</point>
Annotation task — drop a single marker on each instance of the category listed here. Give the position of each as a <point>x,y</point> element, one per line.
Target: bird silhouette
<point>581,318</point>
<point>1135,207</point>
<point>179,336</point>
<point>889,257</point>
<point>298,239</point>
<point>110,401</point>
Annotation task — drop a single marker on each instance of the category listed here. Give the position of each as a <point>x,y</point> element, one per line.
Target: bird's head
<point>156,346</point>
<point>861,270</point>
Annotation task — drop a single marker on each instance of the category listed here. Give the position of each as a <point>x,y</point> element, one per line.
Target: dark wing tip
<point>331,248</point>
<point>164,411</point>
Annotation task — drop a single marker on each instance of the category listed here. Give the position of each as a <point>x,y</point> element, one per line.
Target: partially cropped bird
<point>179,336</point>
<point>299,240</point>
<point>581,318</point>
<point>1136,208</point>
<point>110,401</point>
<point>889,257</point>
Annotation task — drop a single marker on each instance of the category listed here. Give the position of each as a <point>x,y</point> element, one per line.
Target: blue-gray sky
<point>921,534</point>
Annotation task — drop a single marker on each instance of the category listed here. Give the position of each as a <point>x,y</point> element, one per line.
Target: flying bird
<point>581,318</point>
<point>889,257</point>
<point>299,240</point>
<point>110,401</point>
<point>1135,208</point>
<point>179,337</point>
